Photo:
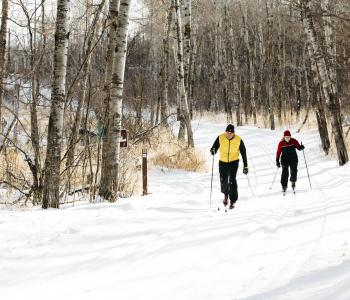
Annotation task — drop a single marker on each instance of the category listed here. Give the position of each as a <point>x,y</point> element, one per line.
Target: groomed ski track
<point>173,244</point>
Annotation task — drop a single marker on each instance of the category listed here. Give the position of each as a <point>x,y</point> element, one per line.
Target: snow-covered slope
<point>174,244</point>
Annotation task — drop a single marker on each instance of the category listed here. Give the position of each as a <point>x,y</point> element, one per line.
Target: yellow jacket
<point>229,149</point>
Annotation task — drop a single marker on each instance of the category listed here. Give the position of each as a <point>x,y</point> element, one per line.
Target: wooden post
<point>144,171</point>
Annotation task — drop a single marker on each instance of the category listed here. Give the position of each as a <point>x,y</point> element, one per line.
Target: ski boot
<point>284,189</point>
<point>293,186</point>
<point>225,200</point>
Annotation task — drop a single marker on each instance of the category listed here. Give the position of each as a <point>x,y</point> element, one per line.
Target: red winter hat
<point>287,133</point>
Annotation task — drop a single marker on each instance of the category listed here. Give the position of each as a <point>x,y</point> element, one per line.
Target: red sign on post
<point>124,138</point>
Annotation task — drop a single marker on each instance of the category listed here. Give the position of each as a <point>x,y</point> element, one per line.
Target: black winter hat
<point>230,128</point>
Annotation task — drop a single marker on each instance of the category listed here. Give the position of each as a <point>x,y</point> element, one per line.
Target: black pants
<point>293,166</point>
<point>228,172</point>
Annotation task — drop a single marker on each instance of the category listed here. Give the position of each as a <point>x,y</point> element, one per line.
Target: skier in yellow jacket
<point>230,146</point>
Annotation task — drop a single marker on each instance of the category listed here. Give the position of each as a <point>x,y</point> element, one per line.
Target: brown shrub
<point>172,154</point>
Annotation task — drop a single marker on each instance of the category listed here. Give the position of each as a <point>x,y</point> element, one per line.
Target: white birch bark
<point>3,29</point>
<point>116,101</point>
<point>325,81</point>
<point>320,105</point>
<point>113,24</point>
<point>184,111</point>
<point>54,139</point>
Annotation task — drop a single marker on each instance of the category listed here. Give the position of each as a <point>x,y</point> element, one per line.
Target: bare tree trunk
<point>281,106</point>
<point>307,85</point>
<point>84,82</point>
<point>236,93</point>
<point>3,30</point>
<point>184,111</point>
<point>187,41</point>
<point>51,190</point>
<point>331,48</point>
<point>326,83</point>
<point>262,60</point>
<point>35,64</point>
<point>9,62</point>
<point>215,101</point>
<point>15,108</point>
<point>251,59</point>
<point>226,65</point>
<point>235,76</point>
<point>270,81</point>
<point>322,128</point>
<point>318,102</point>
<point>192,74</point>
<point>330,42</point>
<point>165,71</point>
<point>109,188</point>
<point>113,24</point>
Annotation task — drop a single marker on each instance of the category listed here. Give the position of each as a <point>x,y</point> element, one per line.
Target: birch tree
<point>325,81</point>
<point>318,101</point>
<point>51,192</point>
<point>184,110</point>
<point>3,31</point>
<point>105,184</point>
<point>109,189</point>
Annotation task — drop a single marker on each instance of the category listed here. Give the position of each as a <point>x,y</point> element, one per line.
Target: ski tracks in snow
<point>291,229</point>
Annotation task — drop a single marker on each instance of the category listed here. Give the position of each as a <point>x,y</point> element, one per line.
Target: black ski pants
<point>228,173</point>
<point>293,166</point>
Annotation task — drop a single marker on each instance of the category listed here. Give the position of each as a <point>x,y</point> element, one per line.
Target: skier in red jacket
<point>289,159</point>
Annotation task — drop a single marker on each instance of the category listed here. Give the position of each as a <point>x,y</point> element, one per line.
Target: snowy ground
<point>171,245</point>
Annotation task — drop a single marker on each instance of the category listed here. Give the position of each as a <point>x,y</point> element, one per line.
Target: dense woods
<point>74,73</point>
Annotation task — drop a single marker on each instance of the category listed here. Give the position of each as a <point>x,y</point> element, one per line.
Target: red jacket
<point>288,150</point>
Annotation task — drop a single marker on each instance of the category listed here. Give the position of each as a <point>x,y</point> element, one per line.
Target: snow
<point>173,244</point>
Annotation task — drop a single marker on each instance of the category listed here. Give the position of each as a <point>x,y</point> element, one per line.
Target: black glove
<point>302,147</point>
<point>213,151</point>
<point>278,163</point>
<point>245,170</point>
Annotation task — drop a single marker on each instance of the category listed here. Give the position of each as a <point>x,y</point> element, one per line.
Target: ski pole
<point>307,170</point>
<point>211,182</point>
<point>274,178</point>
<point>250,186</point>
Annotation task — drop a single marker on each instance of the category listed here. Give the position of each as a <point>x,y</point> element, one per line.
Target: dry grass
<point>14,172</point>
<point>172,154</point>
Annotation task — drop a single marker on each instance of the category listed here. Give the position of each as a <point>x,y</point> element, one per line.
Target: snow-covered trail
<point>172,245</point>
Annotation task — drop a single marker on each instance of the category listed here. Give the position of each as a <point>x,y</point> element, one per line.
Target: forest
<point>74,74</point>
